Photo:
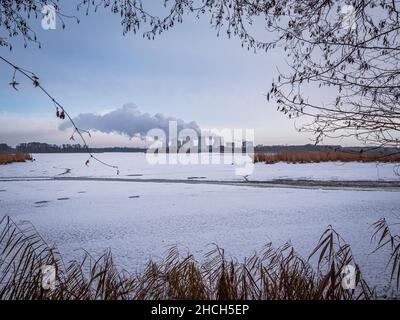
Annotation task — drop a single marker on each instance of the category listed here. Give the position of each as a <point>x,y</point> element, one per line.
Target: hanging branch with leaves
<point>61,112</point>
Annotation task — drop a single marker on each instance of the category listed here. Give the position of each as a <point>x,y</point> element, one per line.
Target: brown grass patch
<point>323,156</point>
<point>9,157</point>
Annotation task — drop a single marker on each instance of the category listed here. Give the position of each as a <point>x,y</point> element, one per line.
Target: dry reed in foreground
<point>321,156</point>
<point>9,157</point>
<point>275,273</point>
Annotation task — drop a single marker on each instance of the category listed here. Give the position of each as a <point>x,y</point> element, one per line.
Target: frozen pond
<point>134,165</point>
<point>140,220</point>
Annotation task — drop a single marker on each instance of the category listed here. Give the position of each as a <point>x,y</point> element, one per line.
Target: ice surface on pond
<point>134,165</point>
<point>140,220</point>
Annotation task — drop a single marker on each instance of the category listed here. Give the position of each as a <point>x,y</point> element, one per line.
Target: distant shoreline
<point>39,147</point>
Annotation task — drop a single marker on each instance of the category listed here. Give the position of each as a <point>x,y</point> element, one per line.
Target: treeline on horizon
<point>39,147</point>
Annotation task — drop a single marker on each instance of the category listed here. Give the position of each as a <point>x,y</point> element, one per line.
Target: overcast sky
<point>187,73</point>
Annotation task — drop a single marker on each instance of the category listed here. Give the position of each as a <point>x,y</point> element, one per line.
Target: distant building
<point>230,147</point>
<point>247,146</point>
